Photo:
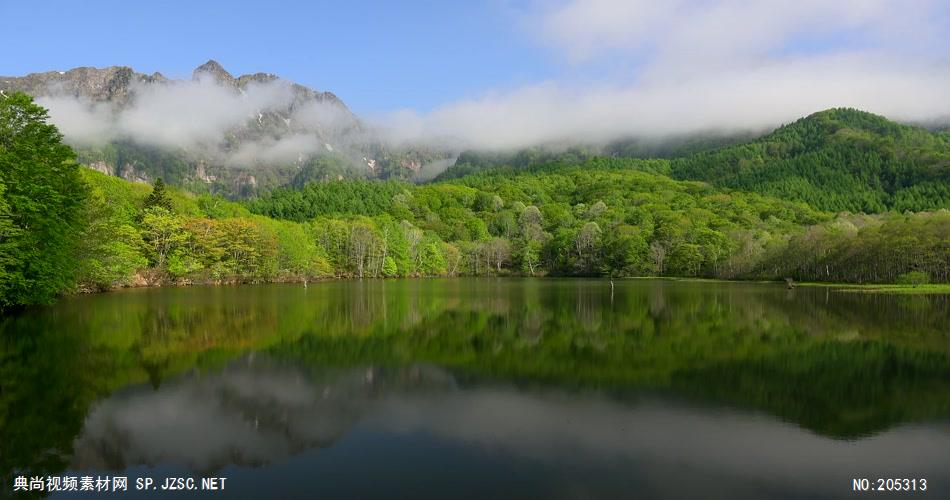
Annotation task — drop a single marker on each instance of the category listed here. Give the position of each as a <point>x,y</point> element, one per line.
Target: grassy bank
<point>935,288</point>
<point>939,288</point>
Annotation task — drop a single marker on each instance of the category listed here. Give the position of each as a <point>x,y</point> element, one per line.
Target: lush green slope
<point>132,238</point>
<point>617,217</point>
<point>834,160</point>
<point>838,160</point>
<point>581,220</point>
<point>597,217</point>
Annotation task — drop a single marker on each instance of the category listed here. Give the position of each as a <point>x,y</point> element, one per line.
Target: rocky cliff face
<point>110,84</point>
<point>281,131</point>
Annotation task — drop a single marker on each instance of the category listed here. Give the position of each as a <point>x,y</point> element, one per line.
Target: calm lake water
<point>482,388</point>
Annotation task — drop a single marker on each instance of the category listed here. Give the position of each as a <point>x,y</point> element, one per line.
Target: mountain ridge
<point>113,82</point>
<point>838,159</point>
<point>297,133</point>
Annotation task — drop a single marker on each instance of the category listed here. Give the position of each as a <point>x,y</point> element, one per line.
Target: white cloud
<point>80,120</point>
<point>749,99</point>
<point>706,31</point>
<point>196,112</point>
<point>200,114</point>
<point>282,150</point>
<point>701,65</point>
<point>323,115</point>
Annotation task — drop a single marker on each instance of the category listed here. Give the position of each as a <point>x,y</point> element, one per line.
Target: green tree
<point>158,197</point>
<point>586,244</point>
<point>8,238</point>
<point>109,251</point>
<point>431,259</point>
<point>163,234</point>
<point>389,267</point>
<point>914,278</point>
<point>42,196</point>
<point>625,252</point>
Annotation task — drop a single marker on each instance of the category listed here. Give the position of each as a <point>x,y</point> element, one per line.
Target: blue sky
<point>375,55</point>
<point>509,73</point>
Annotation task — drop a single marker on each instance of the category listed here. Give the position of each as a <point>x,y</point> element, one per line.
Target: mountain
<point>245,135</point>
<point>216,132</point>
<point>837,160</point>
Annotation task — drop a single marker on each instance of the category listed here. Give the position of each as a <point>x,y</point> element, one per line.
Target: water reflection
<point>248,414</point>
<point>577,444</point>
<point>531,374</point>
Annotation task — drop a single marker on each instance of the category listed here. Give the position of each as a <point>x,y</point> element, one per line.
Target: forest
<point>836,160</point>
<point>841,196</point>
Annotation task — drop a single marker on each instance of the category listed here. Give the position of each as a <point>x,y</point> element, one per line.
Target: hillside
<point>618,217</point>
<point>599,217</point>
<point>215,132</point>
<point>837,160</point>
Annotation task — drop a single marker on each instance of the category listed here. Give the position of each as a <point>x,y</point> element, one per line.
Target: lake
<point>481,388</point>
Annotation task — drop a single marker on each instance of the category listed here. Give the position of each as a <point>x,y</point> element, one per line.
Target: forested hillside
<point>614,217</point>
<point>834,160</point>
<point>837,160</point>
<point>64,228</point>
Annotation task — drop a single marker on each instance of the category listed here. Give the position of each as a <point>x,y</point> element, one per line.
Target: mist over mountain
<point>241,135</point>
<point>244,135</point>
<point>215,131</point>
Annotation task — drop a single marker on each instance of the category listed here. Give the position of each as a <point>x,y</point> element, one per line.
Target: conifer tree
<point>158,197</point>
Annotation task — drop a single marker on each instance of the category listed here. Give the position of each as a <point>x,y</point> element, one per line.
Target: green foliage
<point>329,198</point>
<point>162,233</point>
<point>914,278</point>
<point>298,254</point>
<point>599,218</point>
<point>389,267</point>
<point>864,249</point>
<point>158,198</point>
<point>840,159</point>
<point>216,207</point>
<point>622,217</point>
<point>41,195</point>
<point>321,169</point>
<point>568,214</point>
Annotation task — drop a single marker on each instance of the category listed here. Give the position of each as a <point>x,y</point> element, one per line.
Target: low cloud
<point>262,122</point>
<point>749,99</point>
<point>196,112</point>
<point>80,120</point>
<point>700,66</point>
<point>281,150</point>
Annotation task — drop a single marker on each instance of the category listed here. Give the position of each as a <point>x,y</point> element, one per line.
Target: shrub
<point>914,278</point>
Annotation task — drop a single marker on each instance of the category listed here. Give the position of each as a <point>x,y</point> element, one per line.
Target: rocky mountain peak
<point>216,71</point>
<point>111,84</point>
<point>303,130</point>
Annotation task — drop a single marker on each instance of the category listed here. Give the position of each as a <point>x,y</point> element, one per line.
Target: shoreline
<point>888,288</point>
<point>881,288</point>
